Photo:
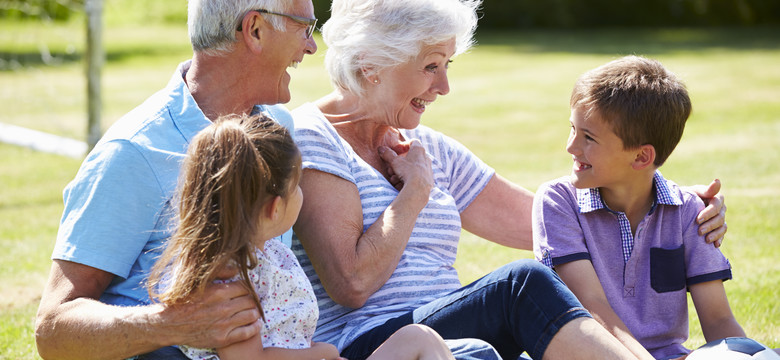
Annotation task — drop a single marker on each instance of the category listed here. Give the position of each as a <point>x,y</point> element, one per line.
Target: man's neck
<point>216,86</point>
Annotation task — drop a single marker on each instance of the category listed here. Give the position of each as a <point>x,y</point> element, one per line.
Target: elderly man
<point>118,208</point>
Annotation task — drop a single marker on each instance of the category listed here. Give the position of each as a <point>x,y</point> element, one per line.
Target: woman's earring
<point>376,81</point>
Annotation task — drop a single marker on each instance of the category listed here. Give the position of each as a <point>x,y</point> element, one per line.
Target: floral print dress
<point>289,304</point>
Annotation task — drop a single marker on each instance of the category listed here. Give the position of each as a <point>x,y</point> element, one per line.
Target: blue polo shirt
<point>644,275</point>
<point>118,211</point>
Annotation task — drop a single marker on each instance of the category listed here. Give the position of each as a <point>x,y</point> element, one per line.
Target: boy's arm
<point>253,349</point>
<point>712,306</point>
<point>581,278</point>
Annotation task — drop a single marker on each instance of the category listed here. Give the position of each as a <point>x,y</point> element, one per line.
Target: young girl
<point>238,193</point>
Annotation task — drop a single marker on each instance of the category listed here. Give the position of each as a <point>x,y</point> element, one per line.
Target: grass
<point>509,104</point>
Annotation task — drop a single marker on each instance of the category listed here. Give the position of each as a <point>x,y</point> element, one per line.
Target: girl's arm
<point>712,306</point>
<point>581,278</point>
<point>253,349</point>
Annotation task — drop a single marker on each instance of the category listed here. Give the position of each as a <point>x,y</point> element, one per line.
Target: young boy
<point>620,236</point>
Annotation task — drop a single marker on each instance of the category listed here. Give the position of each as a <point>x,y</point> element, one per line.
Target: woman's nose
<point>441,85</point>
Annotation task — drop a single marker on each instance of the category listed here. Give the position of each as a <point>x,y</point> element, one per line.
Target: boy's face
<point>598,154</point>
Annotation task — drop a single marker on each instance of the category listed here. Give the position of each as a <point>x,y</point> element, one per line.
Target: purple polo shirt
<point>645,276</point>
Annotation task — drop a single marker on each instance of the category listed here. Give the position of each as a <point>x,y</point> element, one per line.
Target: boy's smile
<point>580,166</point>
<point>597,152</point>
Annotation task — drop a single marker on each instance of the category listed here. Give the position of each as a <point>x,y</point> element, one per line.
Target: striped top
<point>425,270</point>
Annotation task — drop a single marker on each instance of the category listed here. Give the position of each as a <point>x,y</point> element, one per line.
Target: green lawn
<point>509,104</point>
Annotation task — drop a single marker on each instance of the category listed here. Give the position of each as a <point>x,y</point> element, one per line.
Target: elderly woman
<point>385,199</point>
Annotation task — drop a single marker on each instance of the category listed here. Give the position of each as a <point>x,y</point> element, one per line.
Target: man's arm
<point>73,323</point>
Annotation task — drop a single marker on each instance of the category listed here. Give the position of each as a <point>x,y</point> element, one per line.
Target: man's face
<point>285,49</point>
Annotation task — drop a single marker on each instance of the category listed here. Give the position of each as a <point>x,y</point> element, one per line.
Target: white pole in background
<point>94,57</point>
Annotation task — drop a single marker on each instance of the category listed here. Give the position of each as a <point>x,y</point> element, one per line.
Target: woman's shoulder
<point>312,126</point>
<point>423,132</point>
<point>308,115</point>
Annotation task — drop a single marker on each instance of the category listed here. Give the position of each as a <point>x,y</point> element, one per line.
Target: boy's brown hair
<point>639,99</point>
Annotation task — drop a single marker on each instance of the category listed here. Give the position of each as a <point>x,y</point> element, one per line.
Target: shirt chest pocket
<point>667,269</point>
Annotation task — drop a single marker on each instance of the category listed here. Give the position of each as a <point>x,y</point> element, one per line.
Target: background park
<point>508,104</point>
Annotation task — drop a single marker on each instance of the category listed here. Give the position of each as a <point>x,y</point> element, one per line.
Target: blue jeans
<point>165,353</point>
<point>518,307</point>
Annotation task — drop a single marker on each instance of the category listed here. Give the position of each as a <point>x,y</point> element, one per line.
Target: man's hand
<point>222,315</point>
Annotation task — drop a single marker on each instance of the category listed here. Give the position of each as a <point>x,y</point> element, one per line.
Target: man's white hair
<point>371,35</point>
<point>212,23</point>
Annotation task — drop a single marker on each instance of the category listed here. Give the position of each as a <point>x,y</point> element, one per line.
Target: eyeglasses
<point>310,23</point>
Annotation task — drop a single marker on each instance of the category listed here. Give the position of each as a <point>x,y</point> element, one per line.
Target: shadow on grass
<point>632,40</point>
<point>13,60</point>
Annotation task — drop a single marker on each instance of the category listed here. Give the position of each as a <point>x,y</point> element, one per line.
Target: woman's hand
<point>351,261</point>
<point>712,220</point>
<point>409,169</point>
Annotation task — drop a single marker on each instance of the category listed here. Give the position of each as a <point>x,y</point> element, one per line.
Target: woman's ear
<point>370,75</point>
<point>645,156</point>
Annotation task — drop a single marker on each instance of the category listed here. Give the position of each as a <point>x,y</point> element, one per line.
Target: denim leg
<point>519,307</point>
<point>472,349</point>
<point>169,352</point>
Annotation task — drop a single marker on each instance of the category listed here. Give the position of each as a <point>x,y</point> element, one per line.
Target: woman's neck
<point>355,123</point>
<point>364,131</point>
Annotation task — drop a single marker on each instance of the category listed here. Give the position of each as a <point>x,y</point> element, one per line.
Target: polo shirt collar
<point>590,199</point>
<point>186,115</point>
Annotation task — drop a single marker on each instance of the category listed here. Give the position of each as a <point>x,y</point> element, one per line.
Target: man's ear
<point>253,27</point>
<point>645,156</point>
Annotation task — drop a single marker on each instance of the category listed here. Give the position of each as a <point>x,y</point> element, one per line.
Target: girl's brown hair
<point>232,168</point>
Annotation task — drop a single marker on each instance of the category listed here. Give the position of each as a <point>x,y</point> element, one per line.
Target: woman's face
<point>403,92</point>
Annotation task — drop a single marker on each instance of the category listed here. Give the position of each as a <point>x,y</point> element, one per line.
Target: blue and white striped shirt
<point>425,270</point>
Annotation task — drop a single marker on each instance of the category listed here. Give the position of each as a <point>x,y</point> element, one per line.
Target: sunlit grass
<point>508,104</point>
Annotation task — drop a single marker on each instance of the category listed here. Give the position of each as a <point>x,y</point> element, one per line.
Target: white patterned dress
<point>288,301</point>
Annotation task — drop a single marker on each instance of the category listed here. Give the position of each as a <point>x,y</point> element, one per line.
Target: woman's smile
<point>420,104</point>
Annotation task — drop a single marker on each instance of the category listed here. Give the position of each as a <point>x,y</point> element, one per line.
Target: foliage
<point>606,13</point>
<point>630,13</point>
<point>39,9</point>
<point>495,14</point>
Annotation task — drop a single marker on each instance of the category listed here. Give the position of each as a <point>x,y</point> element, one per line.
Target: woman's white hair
<point>212,23</point>
<point>366,36</point>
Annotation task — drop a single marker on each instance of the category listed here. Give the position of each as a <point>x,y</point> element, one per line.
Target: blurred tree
<point>40,9</point>
<point>603,13</point>
<point>608,13</point>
